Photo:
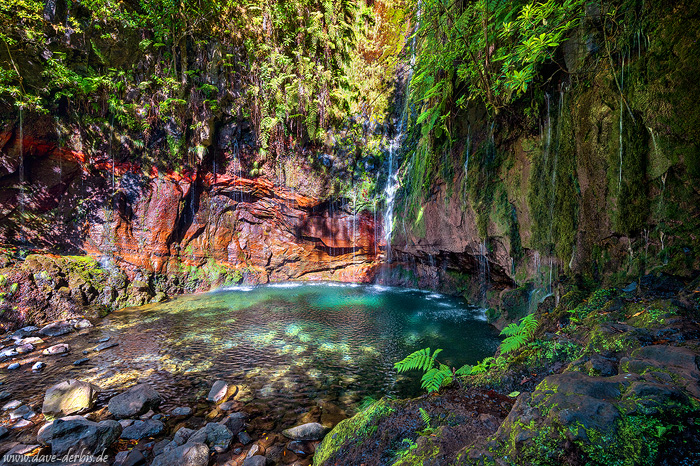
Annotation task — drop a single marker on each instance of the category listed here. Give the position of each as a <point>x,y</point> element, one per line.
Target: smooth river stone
<point>309,431</point>
<point>218,391</point>
<point>57,329</point>
<point>56,349</point>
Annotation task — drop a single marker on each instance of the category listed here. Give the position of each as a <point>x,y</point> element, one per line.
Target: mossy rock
<point>351,432</point>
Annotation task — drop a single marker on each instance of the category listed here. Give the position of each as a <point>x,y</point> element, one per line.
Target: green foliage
<point>518,334</point>
<point>436,375</point>
<point>421,360</point>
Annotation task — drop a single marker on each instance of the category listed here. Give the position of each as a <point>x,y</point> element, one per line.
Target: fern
<point>434,377</point>
<point>419,360</point>
<point>425,416</point>
<point>518,334</point>
<point>464,370</point>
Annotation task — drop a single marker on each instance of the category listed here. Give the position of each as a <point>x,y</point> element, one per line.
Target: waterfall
<point>392,183</point>
<point>392,186</point>
<point>21,171</point>
<point>484,269</point>
<point>354,223</point>
<point>467,150</point>
<point>236,170</point>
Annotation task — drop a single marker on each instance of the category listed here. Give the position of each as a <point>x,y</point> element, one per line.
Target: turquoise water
<point>288,346</point>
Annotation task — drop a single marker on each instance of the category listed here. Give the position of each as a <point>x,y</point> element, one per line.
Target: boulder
<point>69,397</point>
<point>216,436</point>
<point>190,454</point>
<point>135,401</point>
<point>309,431</point>
<point>75,434</point>
<point>142,429</point>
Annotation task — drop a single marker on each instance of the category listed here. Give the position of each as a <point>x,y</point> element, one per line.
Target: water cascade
<point>484,270</point>
<point>21,172</point>
<point>467,150</point>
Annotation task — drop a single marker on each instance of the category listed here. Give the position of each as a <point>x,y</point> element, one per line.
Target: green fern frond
<point>464,370</point>
<point>418,360</point>
<point>511,330</point>
<point>425,416</point>
<point>529,325</point>
<point>433,380</point>
<point>513,343</point>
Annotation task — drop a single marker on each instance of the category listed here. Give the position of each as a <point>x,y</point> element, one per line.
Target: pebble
<point>104,346</point>
<point>4,395</point>
<point>244,438</point>
<point>3,431</point>
<point>182,411</point>
<point>39,366</point>
<point>82,323</point>
<point>22,424</point>
<point>20,412</point>
<point>13,366</point>
<point>56,349</point>
<point>103,340</point>
<point>80,361</point>
<point>26,348</point>
<point>14,404</point>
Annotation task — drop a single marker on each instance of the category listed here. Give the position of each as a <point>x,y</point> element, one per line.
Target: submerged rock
<point>255,461</point>
<point>309,431</point>
<point>135,401</point>
<point>69,397</point>
<point>56,349</point>
<point>13,366</point>
<point>182,411</point>
<point>191,454</point>
<point>218,392</point>
<point>216,436</point>
<point>38,366</point>
<point>235,422</point>
<point>142,429</point>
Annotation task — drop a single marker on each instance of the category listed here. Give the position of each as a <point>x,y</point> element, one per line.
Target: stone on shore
<point>135,401</point>
<point>57,329</point>
<point>69,397</point>
<point>309,431</point>
<point>75,433</point>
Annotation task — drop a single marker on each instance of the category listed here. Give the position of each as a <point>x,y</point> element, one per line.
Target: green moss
<point>416,457</point>
<point>360,426</point>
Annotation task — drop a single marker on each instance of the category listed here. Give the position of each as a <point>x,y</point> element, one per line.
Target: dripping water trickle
<point>467,150</point>
<point>21,172</point>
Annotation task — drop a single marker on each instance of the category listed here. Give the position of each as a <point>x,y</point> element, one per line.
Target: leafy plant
<point>518,334</point>
<point>436,375</point>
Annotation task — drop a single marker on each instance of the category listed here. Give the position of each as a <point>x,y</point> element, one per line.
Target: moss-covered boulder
<point>429,430</point>
<point>573,418</point>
